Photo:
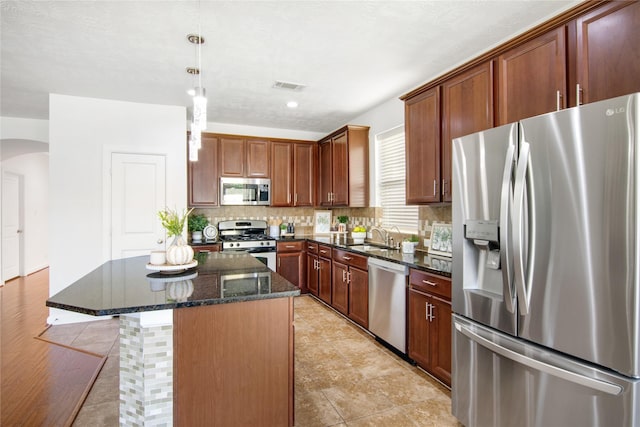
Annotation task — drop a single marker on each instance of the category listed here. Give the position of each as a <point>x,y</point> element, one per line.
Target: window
<point>391,181</point>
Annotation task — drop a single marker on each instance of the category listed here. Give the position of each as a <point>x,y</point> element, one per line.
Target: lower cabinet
<point>291,263</point>
<point>430,323</point>
<point>319,271</point>
<point>350,293</point>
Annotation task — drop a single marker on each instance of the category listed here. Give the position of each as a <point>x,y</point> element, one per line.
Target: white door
<point>137,194</point>
<point>11,231</point>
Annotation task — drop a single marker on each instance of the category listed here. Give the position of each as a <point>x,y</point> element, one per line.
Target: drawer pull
<point>290,247</point>
<point>429,283</point>
<point>323,252</point>
<point>348,258</point>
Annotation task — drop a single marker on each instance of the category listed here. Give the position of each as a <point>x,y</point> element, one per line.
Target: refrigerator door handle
<point>564,374</point>
<point>506,202</point>
<point>517,221</point>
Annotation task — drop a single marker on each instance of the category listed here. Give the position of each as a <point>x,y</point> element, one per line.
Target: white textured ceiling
<point>350,55</point>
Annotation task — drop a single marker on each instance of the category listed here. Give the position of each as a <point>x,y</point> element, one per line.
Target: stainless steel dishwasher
<point>388,302</point>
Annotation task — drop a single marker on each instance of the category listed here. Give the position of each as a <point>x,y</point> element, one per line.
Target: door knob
<point>160,241</point>
<point>18,231</point>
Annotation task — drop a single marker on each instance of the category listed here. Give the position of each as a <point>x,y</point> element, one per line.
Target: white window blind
<point>391,182</point>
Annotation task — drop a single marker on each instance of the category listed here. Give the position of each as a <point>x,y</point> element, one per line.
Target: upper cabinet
<point>344,168</point>
<point>203,174</point>
<point>242,157</point>
<point>292,173</point>
<point>430,125</point>
<point>422,147</point>
<point>467,107</point>
<point>532,78</point>
<point>586,54</point>
<point>607,52</point>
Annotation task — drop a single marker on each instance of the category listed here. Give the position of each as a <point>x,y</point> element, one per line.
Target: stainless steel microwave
<point>245,191</point>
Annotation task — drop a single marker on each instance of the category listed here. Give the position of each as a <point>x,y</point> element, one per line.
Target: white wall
<point>19,128</point>
<point>82,133</point>
<point>34,169</point>
<point>233,129</point>
<point>380,119</point>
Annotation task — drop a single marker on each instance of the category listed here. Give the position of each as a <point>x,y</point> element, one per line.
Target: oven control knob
<point>261,243</point>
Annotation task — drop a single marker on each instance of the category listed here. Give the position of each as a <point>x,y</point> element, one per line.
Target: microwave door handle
<point>518,228</point>
<point>506,202</point>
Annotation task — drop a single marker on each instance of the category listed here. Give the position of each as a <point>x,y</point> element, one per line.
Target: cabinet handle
<point>348,258</point>
<point>289,247</point>
<point>289,198</point>
<point>578,90</point>
<point>204,251</point>
<point>558,97</point>
<point>430,316</point>
<point>323,252</point>
<point>435,185</point>
<point>344,275</point>
<point>426,311</point>
<point>444,187</point>
<point>349,277</point>
<point>278,262</point>
<point>429,283</point>
<point>295,198</point>
<point>318,265</point>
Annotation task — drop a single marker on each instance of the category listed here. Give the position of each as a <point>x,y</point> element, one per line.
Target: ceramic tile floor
<point>343,376</point>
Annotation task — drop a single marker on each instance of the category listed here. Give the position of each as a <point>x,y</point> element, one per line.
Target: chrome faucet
<point>384,234</point>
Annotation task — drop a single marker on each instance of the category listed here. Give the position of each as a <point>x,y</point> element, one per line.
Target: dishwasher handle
<point>392,267</point>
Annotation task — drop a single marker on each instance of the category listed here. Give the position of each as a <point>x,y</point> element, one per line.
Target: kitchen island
<point>207,346</point>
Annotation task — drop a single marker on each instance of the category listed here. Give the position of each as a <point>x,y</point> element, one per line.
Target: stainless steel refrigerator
<point>546,274</point>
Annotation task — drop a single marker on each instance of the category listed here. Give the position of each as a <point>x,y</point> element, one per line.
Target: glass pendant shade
<point>200,108</point>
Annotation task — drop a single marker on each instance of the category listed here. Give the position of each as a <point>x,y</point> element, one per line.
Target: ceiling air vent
<point>288,85</point>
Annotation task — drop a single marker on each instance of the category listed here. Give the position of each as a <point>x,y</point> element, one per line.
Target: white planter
<point>409,247</point>
<point>196,236</point>
<point>358,236</point>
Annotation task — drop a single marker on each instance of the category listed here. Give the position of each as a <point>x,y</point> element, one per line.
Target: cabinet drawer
<point>430,283</point>
<point>296,246</point>
<point>312,248</point>
<point>205,248</point>
<point>324,251</point>
<point>350,258</point>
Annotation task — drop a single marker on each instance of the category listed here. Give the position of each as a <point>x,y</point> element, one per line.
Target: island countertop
<point>127,286</point>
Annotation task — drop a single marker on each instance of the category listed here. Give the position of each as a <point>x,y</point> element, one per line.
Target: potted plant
<point>178,252</point>
<point>196,224</point>
<point>342,223</point>
<point>409,244</point>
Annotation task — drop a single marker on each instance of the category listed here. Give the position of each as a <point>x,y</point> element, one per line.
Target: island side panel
<point>233,364</point>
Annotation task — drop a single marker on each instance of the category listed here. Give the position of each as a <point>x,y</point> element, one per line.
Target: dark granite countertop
<point>126,286</point>
<point>420,260</point>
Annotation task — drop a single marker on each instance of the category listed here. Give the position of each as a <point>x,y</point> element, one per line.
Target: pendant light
<point>199,111</point>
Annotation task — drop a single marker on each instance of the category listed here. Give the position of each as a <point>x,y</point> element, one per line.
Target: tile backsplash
<point>303,218</point>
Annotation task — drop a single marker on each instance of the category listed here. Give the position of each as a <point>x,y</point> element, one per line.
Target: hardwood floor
<point>42,383</point>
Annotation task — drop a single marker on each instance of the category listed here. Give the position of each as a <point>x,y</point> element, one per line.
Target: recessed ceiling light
<point>292,104</point>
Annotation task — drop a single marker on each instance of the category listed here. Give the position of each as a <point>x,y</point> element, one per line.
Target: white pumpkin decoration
<point>179,252</point>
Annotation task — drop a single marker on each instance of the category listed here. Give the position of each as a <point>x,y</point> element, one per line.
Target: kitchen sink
<point>370,248</point>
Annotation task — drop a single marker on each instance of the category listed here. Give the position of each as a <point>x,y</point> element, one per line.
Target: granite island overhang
<point>195,345</point>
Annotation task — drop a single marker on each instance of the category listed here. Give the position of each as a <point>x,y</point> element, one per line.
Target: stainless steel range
<point>249,236</point>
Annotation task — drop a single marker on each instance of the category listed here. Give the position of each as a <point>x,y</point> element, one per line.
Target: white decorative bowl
<point>358,236</point>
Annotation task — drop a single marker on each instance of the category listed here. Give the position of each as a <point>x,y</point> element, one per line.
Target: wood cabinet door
<point>232,155</point>
<point>304,172</point>
<point>258,159</point>
<point>467,107</point>
<point>607,52</point>
<point>203,174</point>
<point>440,340</point>
<point>312,274</point>
<point>419,332</point>
<point>359,296</point>
<point>290,266</point>
<point>281,176</point>
<point>340,288</point>
<point>325,175</point>
<point>422,146</point>
<point>340,170</point>
<point>531,77</point>
<point>324,280</point>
